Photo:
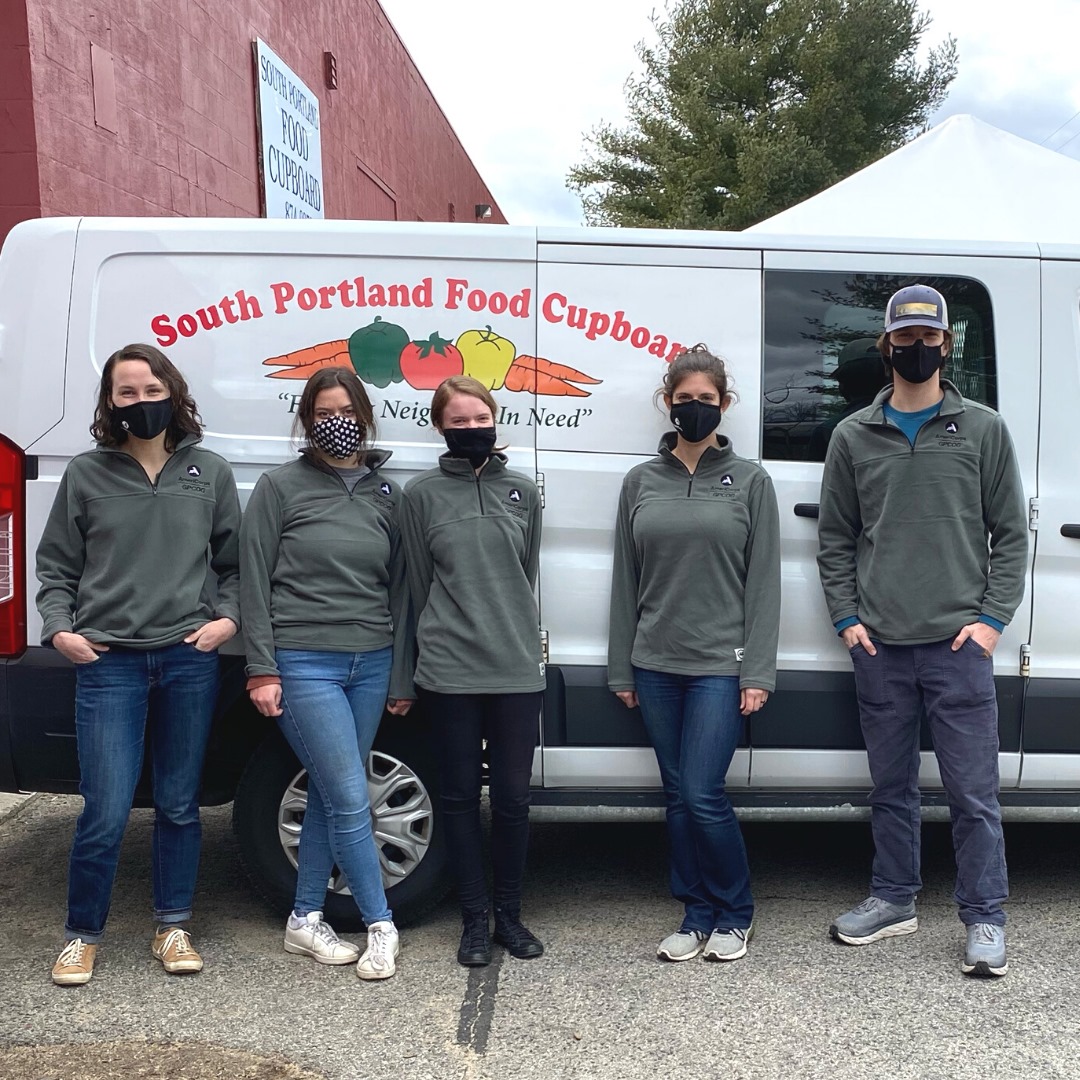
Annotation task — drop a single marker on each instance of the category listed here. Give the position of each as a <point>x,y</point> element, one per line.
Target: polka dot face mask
<point>338,436</point>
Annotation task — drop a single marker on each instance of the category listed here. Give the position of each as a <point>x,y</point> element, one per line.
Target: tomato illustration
<point>425,363</point>
<point>487,357</point>
<point>375,351</point>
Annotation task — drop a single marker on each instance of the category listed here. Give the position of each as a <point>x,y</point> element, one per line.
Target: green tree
<point>746,107</point>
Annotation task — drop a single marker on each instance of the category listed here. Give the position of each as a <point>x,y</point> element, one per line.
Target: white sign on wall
<point>290,148</point>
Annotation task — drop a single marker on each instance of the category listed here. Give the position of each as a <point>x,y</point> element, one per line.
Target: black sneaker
<point>513,936</point>
<point>475,947</point>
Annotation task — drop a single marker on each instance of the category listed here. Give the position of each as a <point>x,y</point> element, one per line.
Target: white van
<point>242,306</point>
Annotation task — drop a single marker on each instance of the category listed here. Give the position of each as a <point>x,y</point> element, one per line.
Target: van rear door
<point>1052,709</point>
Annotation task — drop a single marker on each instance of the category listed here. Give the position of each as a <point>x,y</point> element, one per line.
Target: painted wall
<point>176,81</point>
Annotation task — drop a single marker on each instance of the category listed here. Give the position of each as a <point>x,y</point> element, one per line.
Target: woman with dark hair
<point>329,641</point>
<point>695,617</point>
<point>123,569</point>
<point>472,538</point>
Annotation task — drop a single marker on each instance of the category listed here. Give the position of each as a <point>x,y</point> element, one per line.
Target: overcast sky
<point>522,82</point>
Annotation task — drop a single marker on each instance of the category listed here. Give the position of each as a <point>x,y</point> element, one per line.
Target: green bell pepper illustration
<point>375,352</point>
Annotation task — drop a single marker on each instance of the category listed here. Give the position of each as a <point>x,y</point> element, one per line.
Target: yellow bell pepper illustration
<point>487,357</point>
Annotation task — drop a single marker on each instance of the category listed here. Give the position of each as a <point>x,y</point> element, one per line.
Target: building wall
<point>19,192</point>
<point>176,81</point>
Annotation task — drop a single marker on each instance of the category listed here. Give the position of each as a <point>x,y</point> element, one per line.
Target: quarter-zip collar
<point>714,458</point>
<point>187,441</point>
<point>952,404</point>
<point>461,468</point>
<point>374,459</point>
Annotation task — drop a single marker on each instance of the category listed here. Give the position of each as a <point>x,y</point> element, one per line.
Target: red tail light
<point>12,549</point>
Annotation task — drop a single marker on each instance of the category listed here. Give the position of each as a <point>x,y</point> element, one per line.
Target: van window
<point>821,361</point>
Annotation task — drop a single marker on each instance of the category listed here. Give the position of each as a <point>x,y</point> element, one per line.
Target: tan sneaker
<point>75,964</point>
<point>174,949</point>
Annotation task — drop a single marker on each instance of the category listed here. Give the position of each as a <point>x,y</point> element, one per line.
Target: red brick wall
<point>185,110</point>
<point>19,192</point>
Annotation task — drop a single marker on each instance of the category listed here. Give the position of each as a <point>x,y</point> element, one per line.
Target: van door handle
<point>1071,531</point>
<point>809,510</point>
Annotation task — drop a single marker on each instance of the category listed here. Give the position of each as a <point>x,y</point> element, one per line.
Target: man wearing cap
<point>923,552</point>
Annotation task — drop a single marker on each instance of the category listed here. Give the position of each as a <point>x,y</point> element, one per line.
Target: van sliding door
<point>822,314</point>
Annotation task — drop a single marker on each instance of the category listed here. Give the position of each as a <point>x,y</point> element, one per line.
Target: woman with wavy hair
<point>123,563</point>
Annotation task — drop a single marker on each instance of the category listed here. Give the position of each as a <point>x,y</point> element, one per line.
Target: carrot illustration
<point>535,375</point>
<point>303,371</point>
<point>559,371</point>
<point>310,355</point>
<point>525,376</point>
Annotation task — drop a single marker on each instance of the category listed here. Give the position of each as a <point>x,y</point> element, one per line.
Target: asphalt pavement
<point>596,1006</point>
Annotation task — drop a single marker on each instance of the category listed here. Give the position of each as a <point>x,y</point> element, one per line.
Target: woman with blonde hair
<point>472,540</point>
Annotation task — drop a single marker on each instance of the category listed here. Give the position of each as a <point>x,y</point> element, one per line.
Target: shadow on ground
<point>145,1061</point>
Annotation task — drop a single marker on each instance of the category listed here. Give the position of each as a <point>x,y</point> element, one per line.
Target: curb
<point>13,805</point>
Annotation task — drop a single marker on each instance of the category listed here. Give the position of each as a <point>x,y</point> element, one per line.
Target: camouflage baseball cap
<point>917,305</point>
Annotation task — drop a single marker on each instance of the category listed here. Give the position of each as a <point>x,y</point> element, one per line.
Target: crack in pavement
<point>478,1005</point>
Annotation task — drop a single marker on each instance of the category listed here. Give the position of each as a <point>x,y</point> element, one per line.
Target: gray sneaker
<point>682,945</point>
<point>729,944</point>
<point>874,919</point>
<point>985,953</point>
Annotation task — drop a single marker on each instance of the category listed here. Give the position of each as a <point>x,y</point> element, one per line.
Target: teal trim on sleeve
<point>997,624</point>
<point>843,624</point>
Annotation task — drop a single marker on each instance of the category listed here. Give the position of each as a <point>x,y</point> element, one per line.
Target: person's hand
<point>750,700</point>
<point>76,648</point>
<point>627,697</point>
<point>981,634</point>
<point>212,635</point>
<point>399,706</point>
<point>857,635</point>
<point>267,699</point>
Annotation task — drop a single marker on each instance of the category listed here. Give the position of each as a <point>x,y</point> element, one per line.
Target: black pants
<point>510,723</point>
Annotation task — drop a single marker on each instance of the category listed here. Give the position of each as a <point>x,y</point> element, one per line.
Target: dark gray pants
<point>956,690</point>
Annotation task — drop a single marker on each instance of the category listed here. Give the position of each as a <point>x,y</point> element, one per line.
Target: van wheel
<point>268,815</point>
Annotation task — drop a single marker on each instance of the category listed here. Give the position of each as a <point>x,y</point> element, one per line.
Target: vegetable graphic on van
<point>425,362</point>
<point>375,351</point>
<point>487,356</point>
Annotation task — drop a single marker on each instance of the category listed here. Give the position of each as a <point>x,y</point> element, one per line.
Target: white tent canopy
<point>962,180</point>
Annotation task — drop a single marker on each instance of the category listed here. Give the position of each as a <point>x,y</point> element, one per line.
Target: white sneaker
<point>382,950</point>
<point>310,935</point>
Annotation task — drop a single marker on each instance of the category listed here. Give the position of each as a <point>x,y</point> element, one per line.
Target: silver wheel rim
<point>401,819</point>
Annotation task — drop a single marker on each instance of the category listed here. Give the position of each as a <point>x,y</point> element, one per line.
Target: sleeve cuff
<point>842,624</point>
<point>997,624</point>
<point>55,626</point>
<point>256,681</point>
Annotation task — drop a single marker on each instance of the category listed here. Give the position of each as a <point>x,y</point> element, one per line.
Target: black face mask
<point>474,443</point>
<point>144,419</point>
<point>695,420</point>
<point>916,363</point>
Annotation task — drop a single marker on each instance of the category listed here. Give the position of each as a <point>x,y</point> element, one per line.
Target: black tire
<point>270,771</point>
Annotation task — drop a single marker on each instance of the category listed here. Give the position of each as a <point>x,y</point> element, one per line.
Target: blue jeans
<point>332,703</point>
<point>120,698</point>
<point>694,725</point>
<point>956,690</point>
